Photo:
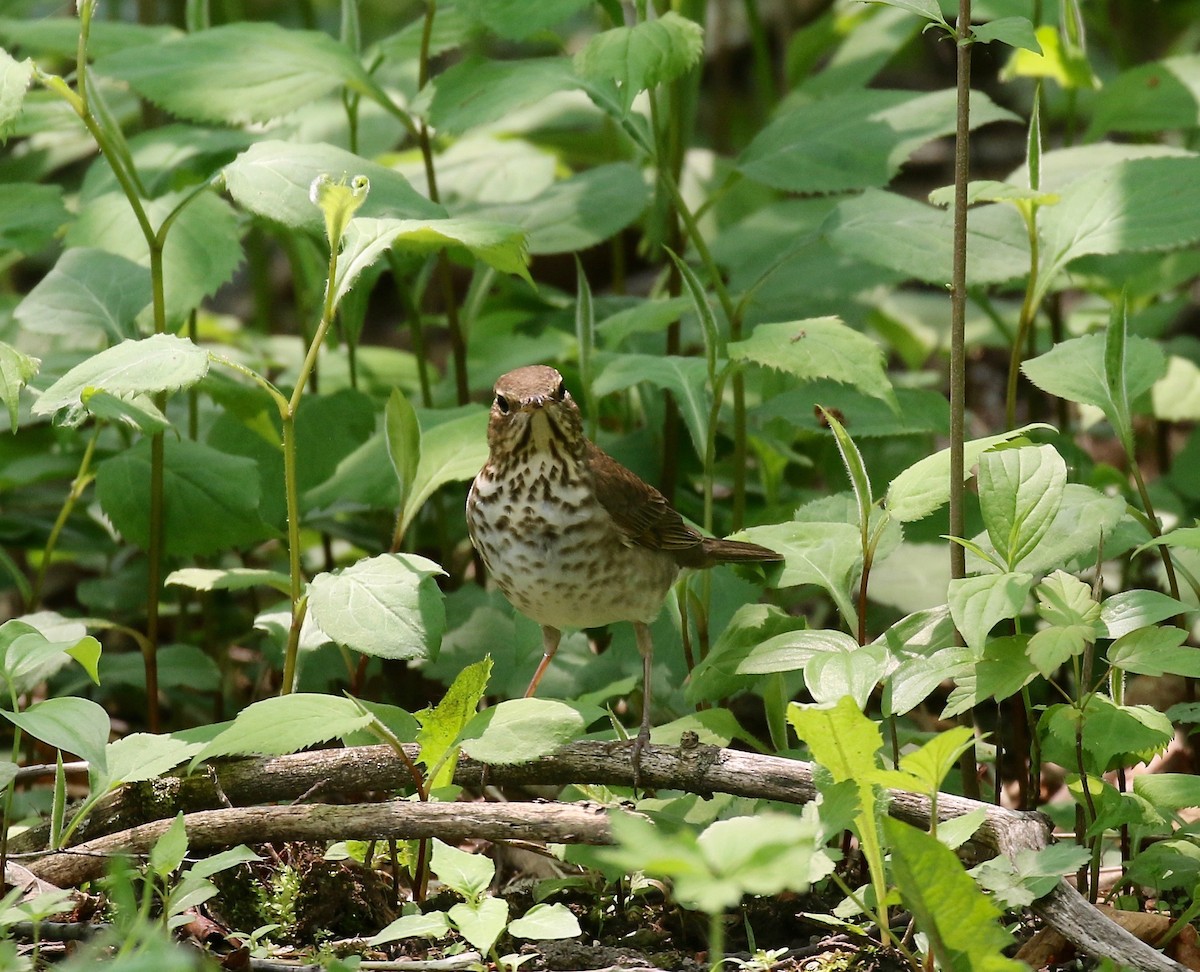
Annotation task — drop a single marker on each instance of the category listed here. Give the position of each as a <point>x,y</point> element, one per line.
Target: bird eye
<point>561,391</point>
<point>502,404</point>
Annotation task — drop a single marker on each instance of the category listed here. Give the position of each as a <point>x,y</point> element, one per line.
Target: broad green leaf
<point>403,436</point>
<point>497,244</point>
<point>644,317</point>
<point>751,625</point>
<point>1181,538</point>
<point>433,925</point>
<point>31,657</point>
<point>387,606</point>
<point>1003,669</point>
<point>1073,619</point>
<point>826,554</point>
<point>170,849</point>
<point>138,411</point>
<point>1113,735</point>
<point>685,378</point>
<point>87,293</point>
<point>1169,791</point>
<point>1085,518</point>
<point>8,773</point>
<point>179,666</point>
<point>480,922</point>
<point>520,731</point>
<point>576,213</point>
<point>1155,651</point>
<point>208,866</point>
<point>857,139</point>
<point>1149,98</point>
<point>793,651</point>
<point>229,579</point>
<point>647,54</point>
<point>451,451</point>
<point>272,179</point>
<point>160,363</point>
<point>239,73</point>
<point>468,874</point>
<point>1020,491</point>
<point>141,756</point>
<point>30,215</point>
<point>922,8</point>
<point>442,725</point>
<point>1176,396</point>
<point>210,498</point>
<point>820,347</point>
<point>846,671</point>
<point>979,603</point>
<point>516,20</point>
<point>931,764</point>
<point>201,250</point>
<point>763,854</point>
<point>1127,611</point>
<point>1013,31</point>
<point>16,368</point>
<point>479,92</point>
<point>962,926</point>
<point>59,36</point>
<point>1018,882</point>
<point>285,724</point>
<point>925,486</point>
<point>546,922</point>
<point>14,83</point>
<point>914,239</point>
<point>71,724</point>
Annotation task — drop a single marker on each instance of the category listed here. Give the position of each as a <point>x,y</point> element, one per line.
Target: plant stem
<point>1029,308</point>
<point>82,480</point>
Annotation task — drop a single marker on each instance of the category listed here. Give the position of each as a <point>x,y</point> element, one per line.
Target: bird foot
<point>636,745</point>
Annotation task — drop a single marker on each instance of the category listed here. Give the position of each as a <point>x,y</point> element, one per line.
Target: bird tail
<point>737,552</point>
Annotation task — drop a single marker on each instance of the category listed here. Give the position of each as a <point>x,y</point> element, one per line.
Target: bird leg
<point>646,649</point>
<point>550,639</point>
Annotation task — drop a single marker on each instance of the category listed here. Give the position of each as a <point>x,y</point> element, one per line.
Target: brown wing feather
<point>646,519</point>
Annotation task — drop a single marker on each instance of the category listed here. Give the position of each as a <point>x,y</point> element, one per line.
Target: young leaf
<point>636,58</point>
<point>442,725</point>
<point>925,770</point>
<point>14,83</point>
<point>1073,618</point>
<point>1019,882</point>
<point>386,606</point>
<point>71,724</point>
<point>928,9</point>
<point>520,730</point>
<point>763,854</point>
<point>433,925</point>
<point>16,368</point>
<point>480,922</point>
<point>1019,494</point>
<point>138,412</point>
<point>285,724</point>
<point>546,922</point>
<point>820,347</point>
<point>468,874</point>
<point>979,603</point>
<point>170,849</point>
<point>338,202</point>
<point>141,756</point>
<point>87,292</point>
<point>160,363</point>
<point>1014,31</point>
<point>403,436</point>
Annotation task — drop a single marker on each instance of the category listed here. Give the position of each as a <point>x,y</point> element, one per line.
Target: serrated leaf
<point>925,486</point>
<point>229,579</point>
<point>1112,735</point>
<point>71,724</point>
<point>16,368</point>
<point>160,363</point>
<point>1169,791</point>
<point>1155,651</point>
<point>210,498</point>
<point>520,731</point>
<point>141,756</point>
<point>442,725</point>
<point>1020,491</point>
<point>979,603</point>
<point>285,724</point>
<point>820,347</point>
<point>546,922</point>
<point>685,378</point>
<point>366,239</point>
<point>239,73</point>
<point>763,854</point>
<point>59,36</point>
<point>636,58</point>
<point>386,606</point>
<point>87,292</point>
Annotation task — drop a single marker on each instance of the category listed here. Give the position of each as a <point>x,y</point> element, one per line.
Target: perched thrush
<point>572,537</point>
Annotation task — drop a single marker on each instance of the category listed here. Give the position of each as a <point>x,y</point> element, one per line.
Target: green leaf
<point>546,922</point>
<point>933,762</point>
<point>846,671</point>
<point>636,58</point>
<point>1176,396</point>
<point>922,8</point>
<point>467,874</point>
<point>28,656</point>
<point>793,651</point>
<point>403,436</point>
<point>1073,616</point>
<point>16,368</point>
<point>925,486</point>
<point>517,19</point>
<point>576,213</point>
<point>338,201</point>
<point>285,724</point>
<point>71,724</point>
<point>478,92</point>
<point>451,451</point>
<point>239,73</point>
<point>201,250</point>
<point>979,603</point>
<point>1003,669</point>
<point>170,849</point>
<point>820,347</point>
<point>1113,735</point>
<point>1085,518</point>
<point>223,861</point>
<point>751,625</point>
<point>480,922</point>
<point>961,924</point>
<point>1020,491</point>
<point>1155,651</point>
<point>160,363</point>
<point>386,606</point>
<point>1013,31</point>
<point>1149,98</point>
<point>138,412</point>
<point>210,498</point>
<point>30,215</point>
<point>499,245</point>
<point>857,139</point>
<point>1018,882</point>
<point>1127,611</point>
<point>141,756</point>
<point>229,579</point>
<point>442,725</point>
<point>1061,59</point>
<point>685,378</point>
<point>272,179</point>
<point>520,731</point>
<point>990,191</point>
<point>15,77</point>
<point>59,36</point>
<point>1168,791</point>
<point>433,925</point>
<point>87,292</point>
<point>763,854</point>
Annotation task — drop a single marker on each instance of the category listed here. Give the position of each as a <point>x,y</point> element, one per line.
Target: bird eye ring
<point>502,404</point>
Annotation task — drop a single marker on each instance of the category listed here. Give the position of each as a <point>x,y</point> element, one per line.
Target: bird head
<point>533,410</point>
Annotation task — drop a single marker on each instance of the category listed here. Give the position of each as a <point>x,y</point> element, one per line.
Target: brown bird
<point>572,537</point>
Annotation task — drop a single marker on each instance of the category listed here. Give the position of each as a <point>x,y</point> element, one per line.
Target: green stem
<point>1029,307</point>
<point>716,940</point>
<point>82,480</point>
<point>1152,521</point>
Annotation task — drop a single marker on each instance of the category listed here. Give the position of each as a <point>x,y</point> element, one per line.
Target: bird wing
<point>639,510</point>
